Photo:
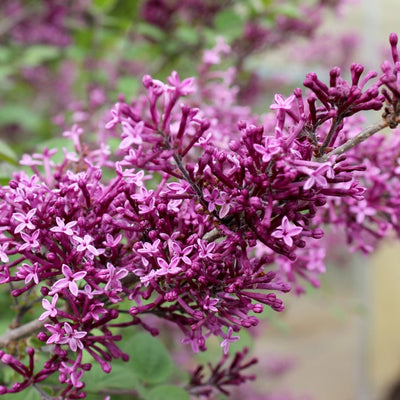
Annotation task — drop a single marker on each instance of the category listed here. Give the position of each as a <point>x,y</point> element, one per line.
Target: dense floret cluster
<point>202,215</point>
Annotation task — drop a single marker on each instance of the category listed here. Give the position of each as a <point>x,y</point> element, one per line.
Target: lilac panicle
<point>199,231</point>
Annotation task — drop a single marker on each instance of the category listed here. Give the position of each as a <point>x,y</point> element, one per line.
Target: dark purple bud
<point>317,233</point>
<point>51,257</point>
<point>334,74</point>
<point>234,145</point>
<point>147,81</point>
<point>393,39</point>
<point>356,71</point>
<point>86,367</point>
<point>242,125</point>
<point>44,290</point>
<point>13,184</point>
<point>42,336</point>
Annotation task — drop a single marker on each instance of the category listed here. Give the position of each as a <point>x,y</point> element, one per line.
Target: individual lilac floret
<point>228,339</point>
<point>287,231</point>
<point>51,310</point>
<point>62,227</point>
<point>72,337</point>
<point>69,280</point>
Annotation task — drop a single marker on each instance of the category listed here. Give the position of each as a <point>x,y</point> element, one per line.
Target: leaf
<point>121,377</point>
<point>28,394</point>
<point>125,11</point>
<point>150,31</point>
<point>150,359</point>
<point>288,10</point>
<point>168,392</point>
<point>229,24</point>
<point>104,5</point>
<point>18,114</point>
<point>36,55</point>
<point>187,35</point>
<point>128,86</point>
<point>7,154</point>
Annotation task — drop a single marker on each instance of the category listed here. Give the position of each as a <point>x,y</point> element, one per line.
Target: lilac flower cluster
<point>177,224</point>
<point>42,22</point>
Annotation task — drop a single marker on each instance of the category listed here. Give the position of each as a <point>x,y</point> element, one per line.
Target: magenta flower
<point>228,339</point>
<point>24,220</point>
<point>31,241</point>
<point>131,134</point>
<point>150,248</point>
<point>209,304</point>
<point>130,175</point>
<point>168,269</point>
<point>72,337</point>
<point>214,198</point>
<point>111,241</point>
<point>114,278</point>
<point>281,103</point>
<point>182,253</point>
<point>84,245</point>
<point>56,333</point>
<point>287,231</point>
<point>362,210</point>
<point>29,272</point>
<point>146,279</point>
<point>95,310</point>
<point>62,227</point>
<point>69,281</point>
<point>3,255</point>
<point>271,147</point>
<point>50,307</point>
<point>184,87</point>
<point>206,249</point>
<point>147,208</point>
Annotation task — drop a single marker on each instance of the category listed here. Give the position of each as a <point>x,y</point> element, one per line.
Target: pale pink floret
<point>50,307</point>
<point>69,280</point>
<point>287,231</point>
<point>72,337</point>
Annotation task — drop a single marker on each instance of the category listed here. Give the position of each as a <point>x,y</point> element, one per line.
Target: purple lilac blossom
<point>205,270</point>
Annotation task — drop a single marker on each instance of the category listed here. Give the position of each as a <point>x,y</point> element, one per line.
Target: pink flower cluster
<point>176,224</point>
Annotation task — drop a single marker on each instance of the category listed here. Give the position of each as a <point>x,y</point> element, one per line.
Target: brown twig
<point>20,332</point>
<point>354,141</point>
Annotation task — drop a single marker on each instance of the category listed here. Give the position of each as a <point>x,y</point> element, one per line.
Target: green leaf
<point>125,10</point>
<point>128,86</point>
<point>229,24</point>
<point>288,10</point>
<point>5,54</point>
<point>187,35</point>
<point>7,154</point>
<point>18,114</point>
<point>104,5</point>
<point>167,392</point>
<point>27,394</point>
<point>150,31</point>
<point>150,359</point>
<point>36,55</point>
<point>121,376</point>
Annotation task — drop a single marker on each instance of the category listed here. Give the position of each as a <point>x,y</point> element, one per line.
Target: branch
<point>354,141</point>
<point>20,332</point>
